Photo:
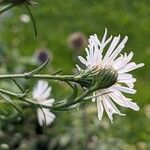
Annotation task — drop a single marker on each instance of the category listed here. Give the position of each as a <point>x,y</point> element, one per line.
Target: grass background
<point>56,20</point>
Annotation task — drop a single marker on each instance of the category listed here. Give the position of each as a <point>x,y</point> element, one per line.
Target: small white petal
<point>123,101</point>
<point>48,102</point>
<point>111,48</point>
<point>113,107</point>
<point>79,69</point>
<point>130,85</point>
<point>107,109</point>
<point>83,61</point>
<point>124,76</point>
<point>133,105</point>
<point>129,57</point>
<point>41,93</point>
<point>46,93</point>
<point>130,67</point>
<point>100,109</point>
<point>124,89</point>
<point>39,89</point>
<point>104,37</point>
<point>45,116</point>
<point>127,80</point>
<point>117,50</point>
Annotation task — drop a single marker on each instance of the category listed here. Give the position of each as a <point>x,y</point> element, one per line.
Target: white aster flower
<point>95,59</point>
<point>41,94</point>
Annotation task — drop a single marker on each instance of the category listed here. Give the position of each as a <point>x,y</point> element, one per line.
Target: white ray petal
<point>45,116</point>
<point>79,69</point>
<point>39,89</point>
<point>113,107</point>
<point>107,109</point>
<point>41,93</point>
<point>83,61</point>
<point>130,85</point>
<point>48,102</point>
<point>111,48</point>
<point>130,67</point>
<point>117,50</point>
<point>124,76</point>
<point>100,109</point>
<point>131,80</point>
<point>104,37</point>
<point>129,57</point>
<point>46,93</point>
<point>124,89</point>
<point>123,101</point>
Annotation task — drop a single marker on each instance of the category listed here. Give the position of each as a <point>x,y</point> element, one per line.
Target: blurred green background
<point>56,22</point>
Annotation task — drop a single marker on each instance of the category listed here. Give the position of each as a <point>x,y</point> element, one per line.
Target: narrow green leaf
<point>9,100</point>
<point>32,19</point>
<point>19,86</point>
<point>37,70</point>
<point>57,72</point>
<point>74,94</point>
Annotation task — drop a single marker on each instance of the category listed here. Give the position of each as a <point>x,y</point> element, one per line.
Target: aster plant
<point>103,78</point>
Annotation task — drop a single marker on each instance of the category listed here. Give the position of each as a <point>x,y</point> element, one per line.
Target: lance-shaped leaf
<point>32,19</point>
<point>60,102</point>
<point>37,70</point>
<point>68,107</point>
<point>19,86</point>
<point>74,94</point>
<point>9,100</point>
<point>57,72</point>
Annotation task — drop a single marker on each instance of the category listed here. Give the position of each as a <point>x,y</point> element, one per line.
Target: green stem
<point>57,107</point>
<point>41,76</point>
<point>11,93</point>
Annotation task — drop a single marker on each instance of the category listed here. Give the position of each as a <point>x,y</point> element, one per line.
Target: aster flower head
<point>121,64</point>
<point>41,94</point>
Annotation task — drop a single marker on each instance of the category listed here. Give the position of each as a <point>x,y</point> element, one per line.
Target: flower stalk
<point>100,80</point>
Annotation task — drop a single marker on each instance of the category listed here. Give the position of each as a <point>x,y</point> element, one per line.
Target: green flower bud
<point>102,79</point>
<point>106,78</point>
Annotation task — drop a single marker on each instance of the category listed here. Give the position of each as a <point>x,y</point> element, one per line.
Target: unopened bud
<point>106,78</point>
<point>101,80</point>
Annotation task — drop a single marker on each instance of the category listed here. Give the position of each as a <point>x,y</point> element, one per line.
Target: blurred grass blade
<point>32,19</point>
<point>9,100</point>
